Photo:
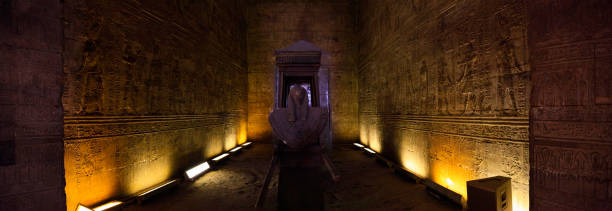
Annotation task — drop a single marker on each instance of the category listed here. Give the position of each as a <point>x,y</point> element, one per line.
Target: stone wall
<point>151,88</point>
<point>276,24</point>
<point>31,149</point>
<point>570,43</point>
<point>444,89</point>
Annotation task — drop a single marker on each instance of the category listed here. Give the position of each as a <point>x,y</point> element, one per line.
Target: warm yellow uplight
<point>246,144</point>
<point>107,205</point>
<point>161,186</point>
<point>449,182</point>
<point>236,149</point>
<point>82,208</point>
<point>369,150</point>
<point>517,206</point>
<point>358,145</point>
<point>220,157</point>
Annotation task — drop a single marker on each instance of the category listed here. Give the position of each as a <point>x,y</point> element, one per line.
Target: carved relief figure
<point>443,87</point>
<point>466,67</point>
<point>92,76</point>
<point>508,65</point>
<point>423,92</point>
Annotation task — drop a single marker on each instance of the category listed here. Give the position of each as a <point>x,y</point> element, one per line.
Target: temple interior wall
<point>444,89</point>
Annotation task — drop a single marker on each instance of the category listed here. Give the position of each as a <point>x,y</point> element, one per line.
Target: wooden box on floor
<point>493,193</point>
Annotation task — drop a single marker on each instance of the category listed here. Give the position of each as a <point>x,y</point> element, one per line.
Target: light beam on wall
<point>449,182</point>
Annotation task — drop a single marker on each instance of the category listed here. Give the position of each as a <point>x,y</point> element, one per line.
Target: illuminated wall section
<point>276,24</point>
<point>149,90</point>
<point>444,89</point>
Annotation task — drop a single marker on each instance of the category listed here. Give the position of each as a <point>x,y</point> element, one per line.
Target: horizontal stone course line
<point>85,127</point>
<point>484,138</point>
<point>512,130</point>
<point>128,121</point>
<point>453,119</point>
<point>551,141</point>
<point>196,116</point>
<point>70,140</point>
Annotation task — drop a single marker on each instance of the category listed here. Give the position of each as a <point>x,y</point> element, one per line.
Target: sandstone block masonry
<point>150,88</point>
<point>444,89</point>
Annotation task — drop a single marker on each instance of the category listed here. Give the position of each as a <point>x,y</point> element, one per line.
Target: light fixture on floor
<point>220,157</point>
<point>236,149</point>
<point>247,144</point>
<point>106,206</point>
<point>369,150</point>
<point>80,207</point>
<point>358,145</point>
<point>403,172</point>
<point>145,195</point>
<point>443,191</point>
<point>196,171</point>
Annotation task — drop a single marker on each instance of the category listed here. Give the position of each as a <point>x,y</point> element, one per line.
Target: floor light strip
<point>157,188</point>
<point>197,170</point>
<point>235,149</point>
<point>431,185</point>
<point>220,157</point>
<point>80,207</point>
<point>107,205</point>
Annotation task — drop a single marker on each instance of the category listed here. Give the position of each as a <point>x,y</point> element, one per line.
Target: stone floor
<point>365,185</point>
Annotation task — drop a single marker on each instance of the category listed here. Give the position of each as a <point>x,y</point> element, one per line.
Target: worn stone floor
<point>365,185</point>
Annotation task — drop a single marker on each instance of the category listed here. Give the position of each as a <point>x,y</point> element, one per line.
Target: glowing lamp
<point>246,144</point>
<point>144,195</point>
<point>196,171</point>
<point>80,207</point>
<point>369,150</point>
<point>157,188</point>
<point>220,157</point>
<point>107,205</point>
<point>235,149</point>
<point>358,145</point>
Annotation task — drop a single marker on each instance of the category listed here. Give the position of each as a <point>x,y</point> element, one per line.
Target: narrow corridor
<point>364,185</point>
